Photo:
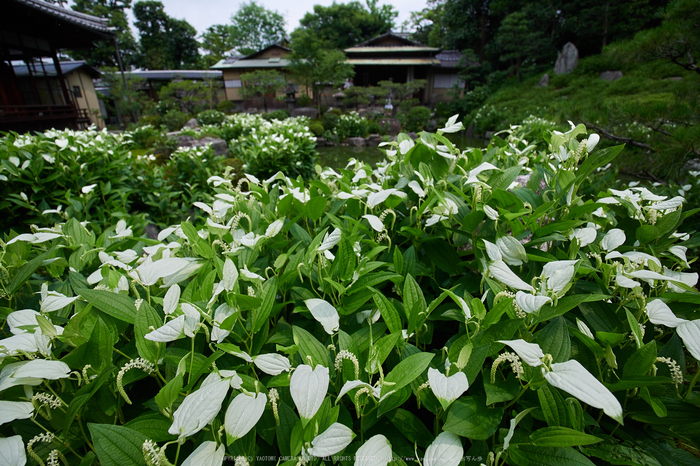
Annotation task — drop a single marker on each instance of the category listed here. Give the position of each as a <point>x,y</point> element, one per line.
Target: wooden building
<point>31,34</point>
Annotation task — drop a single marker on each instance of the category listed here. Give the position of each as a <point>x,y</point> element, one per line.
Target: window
<point>446,81</point>
<point>229,83</point>
<point>77,92</point>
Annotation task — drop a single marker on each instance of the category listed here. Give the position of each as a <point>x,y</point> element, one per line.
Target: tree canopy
<point>342,25</point>
<point>165,42</point>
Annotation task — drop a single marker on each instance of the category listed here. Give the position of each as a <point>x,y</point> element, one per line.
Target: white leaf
<point>592,142</point>
<point>690,334</point>
<point>171,331</point>
<point>502,273</point>
<point>325,313</point>
<point>513,424</point>
<point>272,363</point>
<point>625,282</point>
<point>353,384</point>
<point>171,299</point>
<point>531,353</point>
<point>56,301</point>
<point>221,313</point>
<point>150,272</point>
<point>416,187</point>
<point>230,275</point>
<point>12,410</point>
<point>192,317</point>
<point>330,240</point>
<point>491,212</point>
<point>529,302</point>
<point>447,389</point>
<point>308,389</point>
<point>575,380</point>
<point>375,452</point>
<point>243,413</point>
<point>274,228</point>
<point>12,451</point>
<point>375,199</point>
<point>198,409</point>
<point>680,252</point>
<point>22,318</point>
<point>43,369</point>
<point>446,450</point>
<point>206,454</point>
<point>660,314</point>
<point>251,276</point>
<point>690,279</point>
<point>18,344</point>
<point>493,251</point>
<point>331,441</point>
<point>669,204</point>
<point>374,222</point>
<point>203,206</point>
<point>7,378</point>
<point>635,256</point>
<point>513,252</point>
<point>613,239</point>
<point>584,328</point>
<point>235,380</point>
<point>406,145</point>
<point>584,235</point>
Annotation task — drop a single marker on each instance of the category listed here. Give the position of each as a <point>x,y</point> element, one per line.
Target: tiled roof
<point>94,23</point>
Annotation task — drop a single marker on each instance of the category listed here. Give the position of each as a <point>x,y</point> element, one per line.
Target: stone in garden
<point>413,135</point>
<point>320,142</point>
<point>152,231</point>
<point>185,141</point>
<point>393,125</point>
<point>674,78</point>
<point>488,135</point>
<point>373,140</point>
<point>192,123</point>
<point>370,111</point>
<point>218,146</point>
<point>310,112</point>
<point>567,59</point>
<point>356,142</point>
<point>610,75</point>
<point>544,81</point>
<point>173,134</point>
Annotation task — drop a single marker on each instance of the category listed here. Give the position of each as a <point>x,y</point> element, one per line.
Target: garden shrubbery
<point>480,306</point>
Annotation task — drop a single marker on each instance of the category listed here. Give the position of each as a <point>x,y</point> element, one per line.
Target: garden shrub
<point>416,119</point>
<point>304,100</point>
<point>211,117</point>
<point>330,119</point>
<point>446,306</point>
<point>174,120</point>
<point>316,128</point>
<point>226,106</point>
<point>351,125</point>
<point>280,114</point>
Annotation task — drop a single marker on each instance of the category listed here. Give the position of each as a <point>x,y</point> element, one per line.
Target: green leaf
<point>470,417</point>
<point>553,406</point>
<point>147,317</point>
<point>268,300</point>
<point>153,425</point>
<point>379,351</point>
<point>170,392</point>
<point>566,304</point>
<point>116,305</point>
<point>315,207</point>
<point>501,390</point>
<point>596,160</point>
<point>371,279</point>
<point>554,339</point>
<point>117,445</point>
<point>406,371</point>
<point>641,361</point>
<point>646,234</point>
<point>411,427</point>
<point>23,274</point>
<point>199,246</point>
<point>345,259</point>
<point>414,303</point>
<point>558,436</point>
<point>532,455</point>
<point>310,346</point>
<point>389,313</point>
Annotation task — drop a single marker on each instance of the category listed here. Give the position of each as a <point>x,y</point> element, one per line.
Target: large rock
<point>310,112</point>
<point>218,146</point>
<point>544,81</point>
<point>567,59</point>
<point>373,140</point>
<point>371,111</point>
<point>192,123</point>
<point>610,75</point>
<point>357,142</point>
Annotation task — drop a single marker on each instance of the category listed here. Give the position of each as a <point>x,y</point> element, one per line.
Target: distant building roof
<point>449,58</point>
<point>169,75</point>
<point>66,67</point>
<point>252,60</point>
<point>400,40</point>
<point>57,26</point>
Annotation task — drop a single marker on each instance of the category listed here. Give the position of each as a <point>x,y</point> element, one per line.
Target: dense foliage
<point>485,306</point>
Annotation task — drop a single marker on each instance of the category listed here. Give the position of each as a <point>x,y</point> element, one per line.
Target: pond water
<point>338,156</point>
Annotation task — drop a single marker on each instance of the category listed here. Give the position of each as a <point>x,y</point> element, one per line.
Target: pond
<point>338,156</point>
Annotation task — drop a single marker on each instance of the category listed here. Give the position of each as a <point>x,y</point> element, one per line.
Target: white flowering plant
<point>445,307</point>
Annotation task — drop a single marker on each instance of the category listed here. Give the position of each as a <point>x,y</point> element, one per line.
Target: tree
<point>319,69</point>
<point>189,97</point>
<point>165,42</point>
<point>103,54</point>
<point>217,41</point>
<point>254,27</point>
<point>427,24</point>
<point>261,83</point>
<point>518,41</point>
<point>343,25</point>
